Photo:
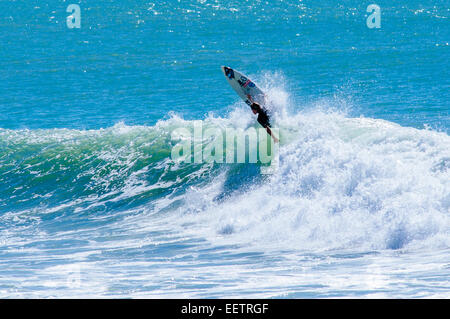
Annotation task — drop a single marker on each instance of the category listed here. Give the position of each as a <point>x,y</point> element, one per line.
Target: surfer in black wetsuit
<point>263,118</point>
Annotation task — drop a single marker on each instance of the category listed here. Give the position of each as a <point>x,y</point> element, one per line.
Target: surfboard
<point>244,87</point>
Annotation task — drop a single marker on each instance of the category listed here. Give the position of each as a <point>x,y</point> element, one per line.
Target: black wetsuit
<point>263,118</point>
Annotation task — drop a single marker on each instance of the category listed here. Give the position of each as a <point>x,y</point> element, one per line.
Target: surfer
<point>263,118</point>
<point>245,88</point>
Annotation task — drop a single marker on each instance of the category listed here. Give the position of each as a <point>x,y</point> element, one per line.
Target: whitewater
<point>358,207</point>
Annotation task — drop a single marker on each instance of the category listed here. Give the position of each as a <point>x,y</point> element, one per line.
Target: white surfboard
<point>244,87</point>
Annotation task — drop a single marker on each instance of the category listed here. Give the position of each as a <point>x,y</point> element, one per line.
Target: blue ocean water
<point>92,204</point>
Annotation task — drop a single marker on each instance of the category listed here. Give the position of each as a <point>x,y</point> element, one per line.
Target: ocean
<point>93,205</point>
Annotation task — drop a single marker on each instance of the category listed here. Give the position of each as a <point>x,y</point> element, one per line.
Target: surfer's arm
<point>269,131</point>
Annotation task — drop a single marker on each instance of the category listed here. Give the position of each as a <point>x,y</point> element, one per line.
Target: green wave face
<point>119,166</point>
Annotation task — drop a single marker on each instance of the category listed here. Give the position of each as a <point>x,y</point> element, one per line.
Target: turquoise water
<point>92,204</point>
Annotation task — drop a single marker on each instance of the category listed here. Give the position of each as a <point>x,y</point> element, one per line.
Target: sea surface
<point>92,203</point>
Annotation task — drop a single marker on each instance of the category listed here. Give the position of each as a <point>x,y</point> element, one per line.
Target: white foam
<point>343,183</point>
